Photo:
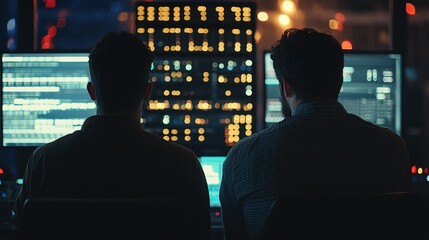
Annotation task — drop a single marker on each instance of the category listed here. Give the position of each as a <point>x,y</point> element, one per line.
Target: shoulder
<point>169,148</point>
<point>373,128</point>
<point>58,145</point>
<point>266,137</point>
<point>170,153</point>
<point>48,153</point>
<point>249,146</point>
<point>376,134</point>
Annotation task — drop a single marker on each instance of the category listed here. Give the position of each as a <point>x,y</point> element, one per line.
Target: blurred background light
<point>288,6</point>
<point>284,19</point>
<point>347,45</point>
<point>410,9</point>
<point>333,24</point>
<point>263,16</point>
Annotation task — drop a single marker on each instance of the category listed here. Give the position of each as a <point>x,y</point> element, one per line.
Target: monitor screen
<point>212,167</point>
<point>44,96</point>
<point>371,89</point>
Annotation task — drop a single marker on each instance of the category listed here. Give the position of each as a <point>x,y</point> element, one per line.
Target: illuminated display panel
<point>204,72</point>
<point>212,167</point>
<point>371,89</point>
<point>44,96</point>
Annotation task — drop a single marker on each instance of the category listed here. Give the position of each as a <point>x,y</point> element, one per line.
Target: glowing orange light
<point>1,171</point>
<point>414,169</point>
<point>50,3</point>
<point>284,19</point>
<point>340,17</point>
<point>346,44</point>
<point>123,16</point>
<point>52,31</point>
<point>333,24</point>
<point>258,36</point>
<point>410,9</point>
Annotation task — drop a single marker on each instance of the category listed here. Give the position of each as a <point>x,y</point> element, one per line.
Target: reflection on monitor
<point>44,96</point>
<point>371,89</point>
<point>212,167</point>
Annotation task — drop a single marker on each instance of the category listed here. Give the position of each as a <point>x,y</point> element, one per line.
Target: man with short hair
<point>112,156</point>
<point>319,148</point>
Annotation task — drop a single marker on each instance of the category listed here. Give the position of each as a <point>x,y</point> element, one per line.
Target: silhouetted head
<point>120,64</point>
<point>311,62</point>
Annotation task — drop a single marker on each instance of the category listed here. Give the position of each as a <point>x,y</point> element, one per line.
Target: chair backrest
<point>106,219</point>
<point>380,216</point>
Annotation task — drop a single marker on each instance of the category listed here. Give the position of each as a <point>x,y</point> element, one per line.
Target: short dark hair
<point>120,64</point>
<point>312,62</point>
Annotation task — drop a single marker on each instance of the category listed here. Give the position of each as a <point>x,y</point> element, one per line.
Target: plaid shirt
<point>320,148</point>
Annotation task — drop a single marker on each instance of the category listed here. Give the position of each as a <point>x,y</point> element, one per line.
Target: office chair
<point>380,216</point>
<point>106,219</point>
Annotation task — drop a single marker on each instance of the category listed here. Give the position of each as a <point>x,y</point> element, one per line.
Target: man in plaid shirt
<point>318,148</point>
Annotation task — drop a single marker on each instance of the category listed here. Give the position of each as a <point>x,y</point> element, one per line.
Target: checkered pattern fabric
<point>320,148</point>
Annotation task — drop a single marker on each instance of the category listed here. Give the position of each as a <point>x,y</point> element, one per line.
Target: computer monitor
<point>212,167</point>
<point>371,88</point>
<point>44,96</point>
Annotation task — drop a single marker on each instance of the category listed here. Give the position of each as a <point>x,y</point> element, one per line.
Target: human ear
<point>286,88</point>
<point>91,90</point>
